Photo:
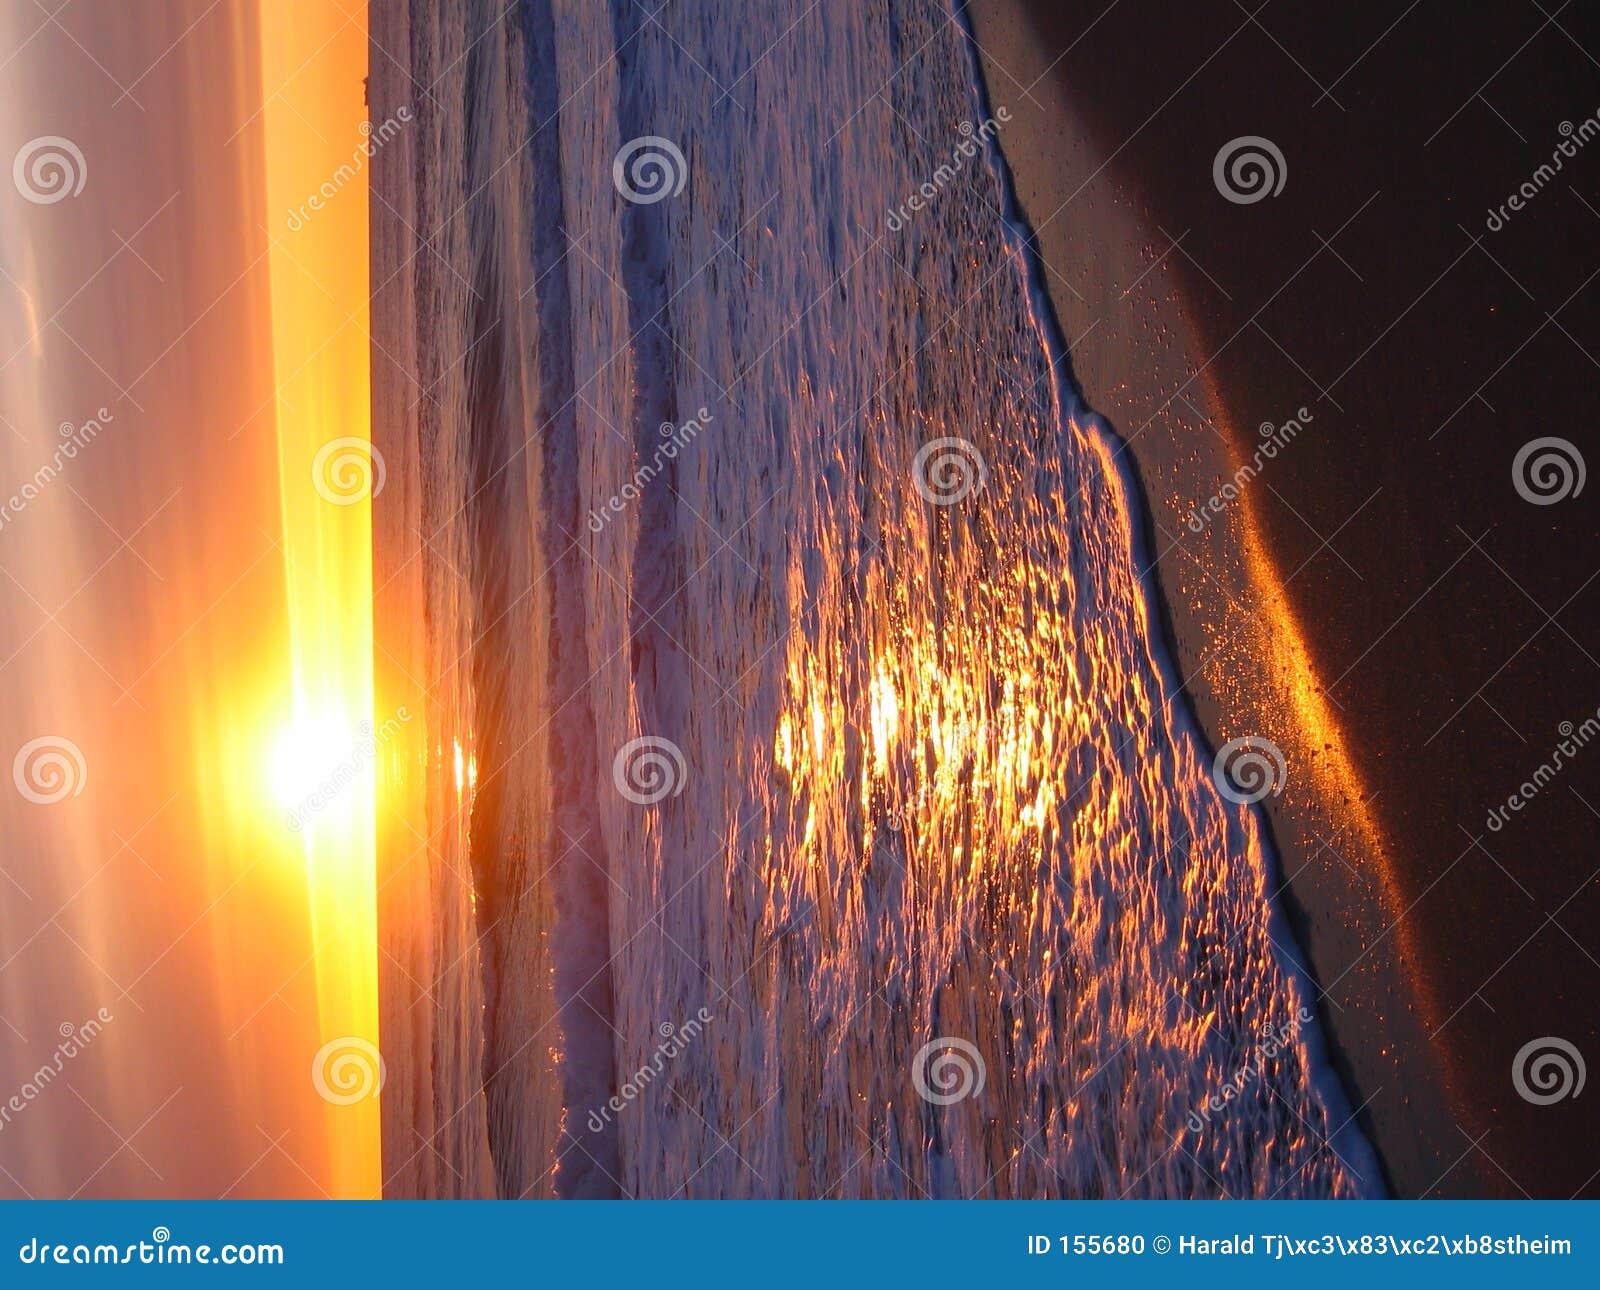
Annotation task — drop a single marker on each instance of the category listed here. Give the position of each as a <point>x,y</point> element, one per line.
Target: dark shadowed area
<point>1432,330</point>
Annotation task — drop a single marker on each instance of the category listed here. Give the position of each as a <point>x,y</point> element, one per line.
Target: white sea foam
<point>935,794</point>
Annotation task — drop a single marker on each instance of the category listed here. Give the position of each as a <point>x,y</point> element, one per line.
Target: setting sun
<point>320,766</point>
<point>316,765</point>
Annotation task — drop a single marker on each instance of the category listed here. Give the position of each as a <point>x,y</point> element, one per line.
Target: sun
<point>315,766</point>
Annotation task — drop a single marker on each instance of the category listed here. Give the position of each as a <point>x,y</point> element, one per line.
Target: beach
<point>1315,386</point>
<point>806,600</point>
<point>847,834</point>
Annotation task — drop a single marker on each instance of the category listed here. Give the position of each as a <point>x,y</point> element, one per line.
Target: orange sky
<point>144,598</point>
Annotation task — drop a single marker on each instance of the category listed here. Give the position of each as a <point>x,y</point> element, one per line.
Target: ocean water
<point>810,807</point>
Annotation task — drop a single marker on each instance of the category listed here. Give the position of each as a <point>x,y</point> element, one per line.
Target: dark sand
<point>1379,601</point>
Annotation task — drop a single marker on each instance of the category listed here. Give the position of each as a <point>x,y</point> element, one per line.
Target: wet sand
<point>1377,600</point>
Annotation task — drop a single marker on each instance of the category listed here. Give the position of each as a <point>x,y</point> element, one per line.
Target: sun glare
<point>313,764</point>
<point>320,766</point>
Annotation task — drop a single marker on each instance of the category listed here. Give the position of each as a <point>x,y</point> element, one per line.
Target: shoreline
<point>1124,348</point>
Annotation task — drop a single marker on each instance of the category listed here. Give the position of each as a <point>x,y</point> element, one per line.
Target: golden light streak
<point>319,765</point>
<point>1320,745</point>
<point>1313,735</point>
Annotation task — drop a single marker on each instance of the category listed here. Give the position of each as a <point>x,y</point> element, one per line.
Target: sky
<point>150,878</point>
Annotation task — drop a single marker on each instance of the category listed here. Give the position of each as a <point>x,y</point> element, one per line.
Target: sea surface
<point>808,805</point>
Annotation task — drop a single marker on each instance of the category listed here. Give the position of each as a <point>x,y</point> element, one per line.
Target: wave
<point>926,884</point>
